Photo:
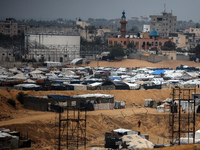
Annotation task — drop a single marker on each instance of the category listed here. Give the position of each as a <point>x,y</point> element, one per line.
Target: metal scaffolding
<point>182,121</point>
<point>72,128</point>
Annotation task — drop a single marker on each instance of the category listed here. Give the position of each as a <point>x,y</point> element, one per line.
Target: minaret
<point>123,25</point>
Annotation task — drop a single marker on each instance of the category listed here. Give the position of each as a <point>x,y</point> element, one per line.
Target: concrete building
<point>170,54</point>
<point>185,41</point>
<point>146,28</point>
<point>52,47</point>
<point>102,33</point>
<point>9,27</point>
<point>145,41</point>
<point>145,19</point>
<point>164,24</point>
<point>7,55</point>
<point>196,31</point>
<point>82,23</point>
<point>134,18</point>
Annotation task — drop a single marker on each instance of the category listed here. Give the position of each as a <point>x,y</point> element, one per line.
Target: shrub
<point>20,97</point>
<point>11,102</point>
<point>117,51</point>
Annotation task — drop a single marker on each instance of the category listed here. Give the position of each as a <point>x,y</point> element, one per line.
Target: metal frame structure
<point>72,128</point>
<point>182,121</point>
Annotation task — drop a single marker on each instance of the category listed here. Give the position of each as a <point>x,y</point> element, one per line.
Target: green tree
<point>197,25</point>
<point>135,29</point>
<point>196,50</point>
<point>20,97</point>
<point>131,45</point>
<point>117,51</point>
<point>130,48</point>
<point>154,48</point>
<point>169,46</point>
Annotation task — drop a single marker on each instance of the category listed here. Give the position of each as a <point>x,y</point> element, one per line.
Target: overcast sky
<point>108,9</point>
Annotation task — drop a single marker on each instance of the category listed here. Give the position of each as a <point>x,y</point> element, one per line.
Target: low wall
<point>41,104</point>
<point>151,58</point>
<point>104,106</point>
<point>182,57</point>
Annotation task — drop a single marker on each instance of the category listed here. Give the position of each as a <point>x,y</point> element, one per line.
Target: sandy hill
<point>41,125</point>
<point>140,63</point>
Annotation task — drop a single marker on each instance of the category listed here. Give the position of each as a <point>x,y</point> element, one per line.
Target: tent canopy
<point>156,72</point>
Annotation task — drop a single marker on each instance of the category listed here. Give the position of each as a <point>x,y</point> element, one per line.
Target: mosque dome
<point>153,33</point>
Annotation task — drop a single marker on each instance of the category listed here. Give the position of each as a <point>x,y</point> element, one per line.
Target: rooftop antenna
<point>164,8</point>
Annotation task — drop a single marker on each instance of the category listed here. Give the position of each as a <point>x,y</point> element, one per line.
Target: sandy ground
<point>41,126</point>
<point>140,63</point>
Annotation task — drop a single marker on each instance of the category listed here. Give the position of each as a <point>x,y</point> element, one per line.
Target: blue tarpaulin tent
<point>113,78</point>
<point>158,72</point>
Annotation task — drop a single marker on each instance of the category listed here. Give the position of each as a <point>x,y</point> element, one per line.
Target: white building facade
<point>52,47</point>
<point>146,28</point>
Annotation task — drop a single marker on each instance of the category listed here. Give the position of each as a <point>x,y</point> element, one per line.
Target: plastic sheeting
<point>135,141</point>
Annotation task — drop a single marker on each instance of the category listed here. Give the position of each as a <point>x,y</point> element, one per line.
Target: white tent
<point>30,81</point>
<point>95,84</point>
<point>20,76</point>
<point>133,86</point>
<point>68,72</point>
<point>36,72</point>
<point>21,86</point>
<point>75,61</point>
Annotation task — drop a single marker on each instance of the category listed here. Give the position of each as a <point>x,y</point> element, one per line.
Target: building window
<point>124,42</point>
<point>152,44</point>
<point>143,45</point>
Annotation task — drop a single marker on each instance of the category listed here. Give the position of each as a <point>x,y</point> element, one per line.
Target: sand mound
<point>140,63</point>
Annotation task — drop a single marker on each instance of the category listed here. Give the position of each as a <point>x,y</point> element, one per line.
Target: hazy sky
<point>108,9</point>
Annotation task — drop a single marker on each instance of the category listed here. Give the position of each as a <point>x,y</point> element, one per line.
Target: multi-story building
<point>134,18</point>
<point>196,31</point>
<point>82,23</point>
<point>164,24</point>
<point>9,27</point>
<point>185,41</point>
<point>145,19</point>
